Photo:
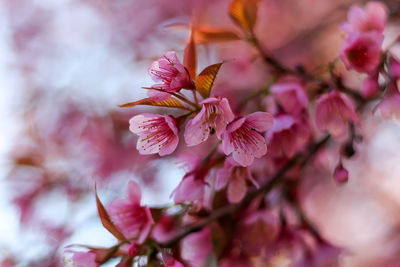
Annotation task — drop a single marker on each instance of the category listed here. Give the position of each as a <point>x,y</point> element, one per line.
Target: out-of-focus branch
<point>299,159</point>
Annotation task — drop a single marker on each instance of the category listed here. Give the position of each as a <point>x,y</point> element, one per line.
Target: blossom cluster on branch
<point>236,206</point>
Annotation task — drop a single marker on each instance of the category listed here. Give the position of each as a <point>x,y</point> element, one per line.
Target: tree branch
<point>299,158</point>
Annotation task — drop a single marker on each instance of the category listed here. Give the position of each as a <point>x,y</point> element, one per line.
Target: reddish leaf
<point>205,80</point>
<point>244,13</point>
<point>211,34</point>
<point>169,103</point>
<point>106,221</point>
<point>190,58</point>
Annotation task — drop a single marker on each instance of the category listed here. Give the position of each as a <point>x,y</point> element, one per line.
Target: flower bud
<point>341,175</point>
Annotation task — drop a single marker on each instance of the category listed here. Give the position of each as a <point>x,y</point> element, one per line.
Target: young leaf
<point>106,221</point>
<point>205,80</point>
<point>211,34</point>
<point>169,103</point>
<point>244,13</point>
<point>190,58</point>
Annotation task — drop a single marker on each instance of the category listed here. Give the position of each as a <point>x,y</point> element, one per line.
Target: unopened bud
<point>341,175</point>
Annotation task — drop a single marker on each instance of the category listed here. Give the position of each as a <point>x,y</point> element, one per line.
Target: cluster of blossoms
<point>236,167</point>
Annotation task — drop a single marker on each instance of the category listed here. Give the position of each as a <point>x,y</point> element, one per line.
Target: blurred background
<point>67,64</point>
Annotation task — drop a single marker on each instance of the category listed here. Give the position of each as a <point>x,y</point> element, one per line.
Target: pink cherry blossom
<point>287,136</point>
<point>243,139</point>
<point>389,107</point>
<point>157,133</point>
<point>196,248</point>
<point>170,75</point>
<point>333,112</point>
<point>213,117</point>
<point>361,51</point>
<point>291,96</point>
<point>371,18</point>
<point>235,177</point>
<point>85,259</point>
<point>132,219</point>
<point>370,86</point>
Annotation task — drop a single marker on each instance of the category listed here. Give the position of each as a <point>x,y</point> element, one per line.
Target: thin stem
<point>282,69</point>
<point>184,99</point>
<point>195,97</point>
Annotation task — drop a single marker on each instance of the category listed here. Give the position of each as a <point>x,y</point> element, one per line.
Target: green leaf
<point>205,80</point>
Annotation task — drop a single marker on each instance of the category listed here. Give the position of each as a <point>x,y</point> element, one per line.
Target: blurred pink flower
<point>169,261</point>
<point>190,189</point>
<point>291,96</point>
<point>164,229</point>
<point>243,139</point>
<point>287,136</point>
<point>85,259</point>
<point>370,86</point>
<point>170,75</point>
<point>234,260</point>
<point>132,219</point>
<point>133,250</point>
<point>389,107</point>
<point>361,51</point>
<point>394,68</point>
<point>194,187</point>
<point>340,174</point>
<point>157,133</point>
<point>371,18</point>
<point>213,117</point>
<point>196,248</point>
<point>324,254</point>
<point>235,177</point>
<point>333,112</point>
<point>257,231</point>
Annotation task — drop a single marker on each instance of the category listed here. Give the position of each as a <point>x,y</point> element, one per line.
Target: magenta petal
<point>87,259</point>
<point>189,190</point>
<point>169,146</point>
<point>244,158</point>
<point>196,248</point>
<point>134,192</point>
<point>222,179</point>
<point>261,121</point>
<point>136,122</point>
<point>237,189</point>
<point>196,130</point>
<point>226,144</point>
<point>226,109</point>
<point>146,227</point>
